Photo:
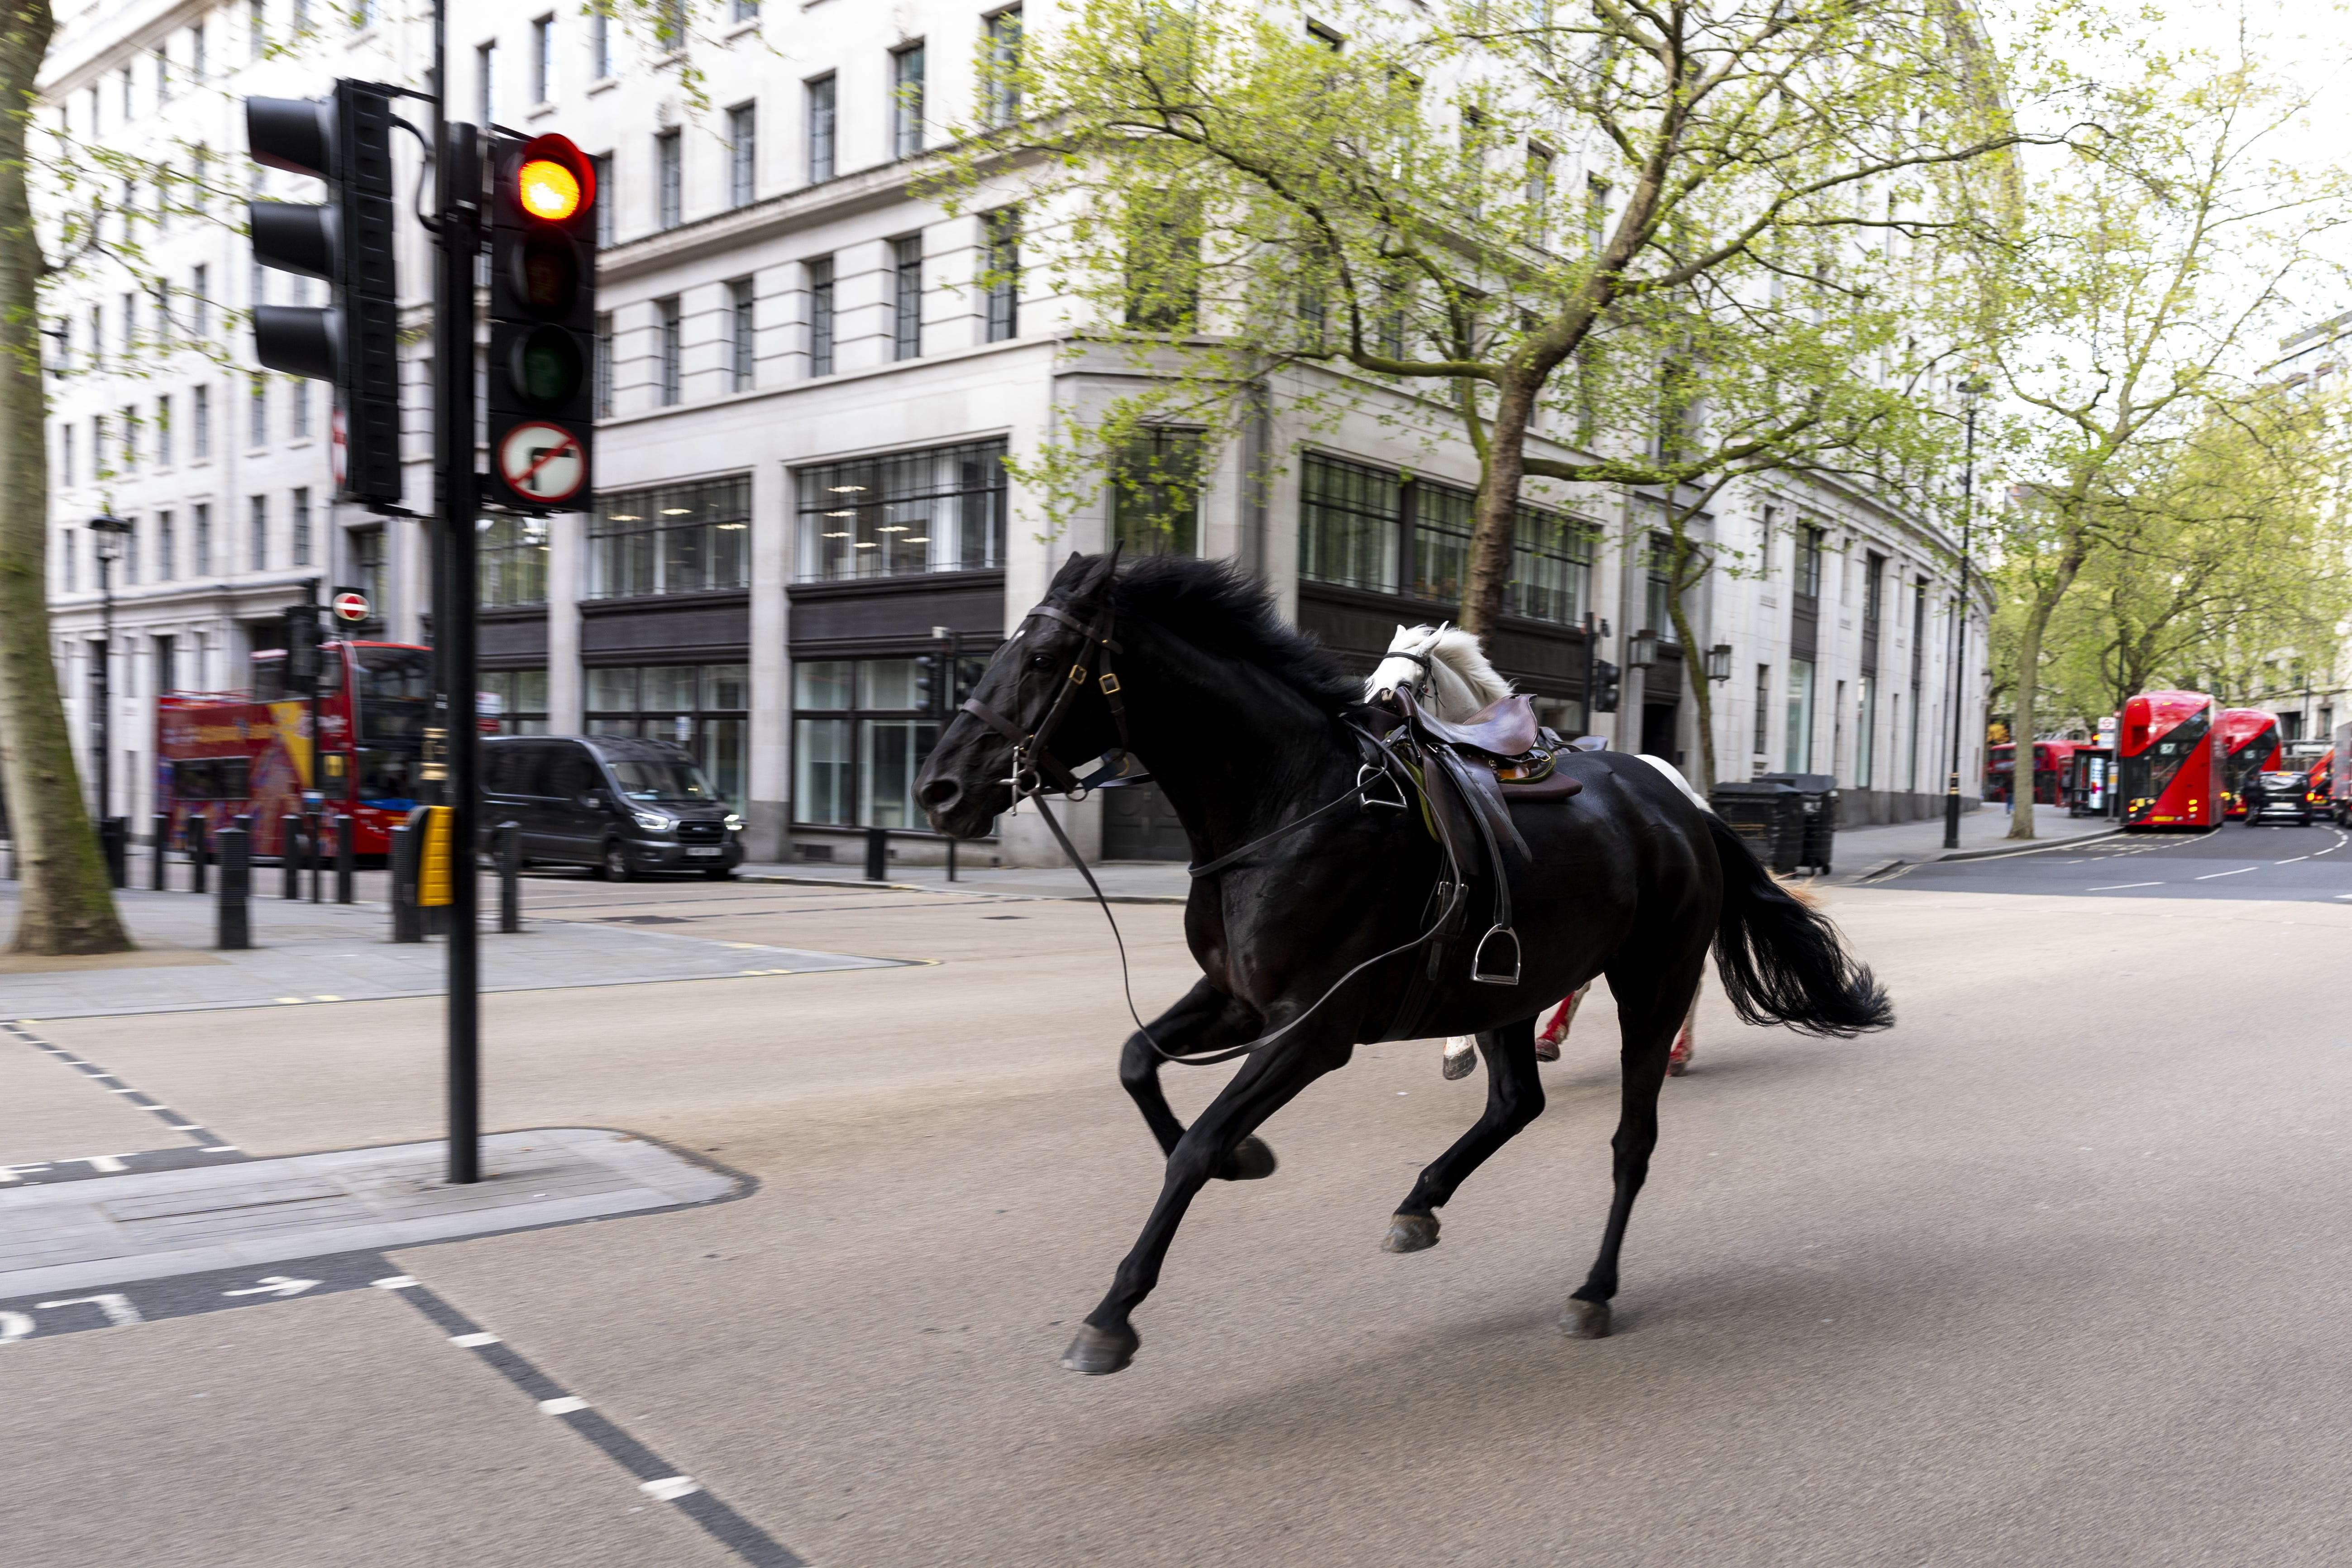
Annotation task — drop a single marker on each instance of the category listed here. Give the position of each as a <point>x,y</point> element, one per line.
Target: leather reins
<point>1032,762</point>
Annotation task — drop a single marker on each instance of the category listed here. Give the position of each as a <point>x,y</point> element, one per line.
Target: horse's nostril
<point>940,793</point>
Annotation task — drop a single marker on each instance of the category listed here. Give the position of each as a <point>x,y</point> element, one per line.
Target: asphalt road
<point>2054,1272</point>
<point>2233,861</point>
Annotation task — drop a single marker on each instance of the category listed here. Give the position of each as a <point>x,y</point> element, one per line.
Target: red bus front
<point>2169,761</point>
<point>2052,761</point>
<point>225,755</point>
<point>2250,746</point>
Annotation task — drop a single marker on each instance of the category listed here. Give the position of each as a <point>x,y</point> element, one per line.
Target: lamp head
<point>110,531</point>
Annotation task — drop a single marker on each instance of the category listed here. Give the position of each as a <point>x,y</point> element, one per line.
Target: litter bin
<point>1767,815</point>
<point>1817,795</point>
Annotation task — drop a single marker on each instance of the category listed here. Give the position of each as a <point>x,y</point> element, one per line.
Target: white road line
<point>2113,886</point>
<point>396,1282</point>
<point>2293,858</point>
<point>669,1489</point>
<point>471,1342</point>
<point>2239,872</point>
<point>564,1406</point>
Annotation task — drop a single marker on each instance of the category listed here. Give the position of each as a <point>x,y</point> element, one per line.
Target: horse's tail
<point>1781,961</point>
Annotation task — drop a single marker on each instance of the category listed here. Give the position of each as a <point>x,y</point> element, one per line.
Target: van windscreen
<point>673,782</point>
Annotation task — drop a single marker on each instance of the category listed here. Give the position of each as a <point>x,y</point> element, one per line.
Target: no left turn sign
<point>542,463</point>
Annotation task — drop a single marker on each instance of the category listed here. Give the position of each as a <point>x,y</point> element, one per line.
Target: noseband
<point>1033,762</point>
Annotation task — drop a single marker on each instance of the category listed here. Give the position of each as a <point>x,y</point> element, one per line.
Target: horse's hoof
<point>1251,1160</point>
<point>1582,1320</point>
<point>1097,1352</point>
<point>1461,1056</point>
<point>1411,1233</point>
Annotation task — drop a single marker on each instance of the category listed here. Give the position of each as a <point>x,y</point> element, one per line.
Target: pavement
<point>2050,1273</point>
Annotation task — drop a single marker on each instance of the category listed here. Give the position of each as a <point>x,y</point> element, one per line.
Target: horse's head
<point>1046,678</point>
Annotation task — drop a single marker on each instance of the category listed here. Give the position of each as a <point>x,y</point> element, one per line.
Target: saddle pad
<point>1553,786</point>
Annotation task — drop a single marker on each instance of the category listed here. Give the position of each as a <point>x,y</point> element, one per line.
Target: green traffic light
<point>546,366</point>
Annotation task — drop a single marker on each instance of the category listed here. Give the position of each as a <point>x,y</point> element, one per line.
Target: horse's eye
<point>1041,661</point>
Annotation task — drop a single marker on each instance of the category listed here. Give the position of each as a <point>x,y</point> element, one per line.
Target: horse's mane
<point>1214,605</point>
<point>1476,681</point>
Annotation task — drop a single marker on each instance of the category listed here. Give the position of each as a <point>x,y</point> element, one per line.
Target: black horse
<point>1246,725</point>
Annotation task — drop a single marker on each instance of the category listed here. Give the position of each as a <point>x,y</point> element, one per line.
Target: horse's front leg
<point>1205,1019</point>
<point>1267,1082</point>
<point>1515,1097</point>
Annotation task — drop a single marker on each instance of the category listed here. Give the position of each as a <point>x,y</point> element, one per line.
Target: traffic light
<point>542,396</point>
<point>304,635</point>
<point>1604,687</point>
<point>353,341</point>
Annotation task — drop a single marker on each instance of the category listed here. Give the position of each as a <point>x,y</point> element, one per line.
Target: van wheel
<point>719,874</point>
<point>616,864</point>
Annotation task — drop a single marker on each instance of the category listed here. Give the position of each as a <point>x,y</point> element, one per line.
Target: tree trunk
<point>1496,526</point>
<point>1702,689</point>
<point>67,905</point>
<point>2038,611</point>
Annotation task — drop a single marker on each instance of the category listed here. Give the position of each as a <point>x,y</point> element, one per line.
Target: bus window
<point>396,688</point>
<point>388,777</point>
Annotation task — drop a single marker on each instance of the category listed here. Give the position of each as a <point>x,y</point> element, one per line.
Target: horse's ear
<point>1072,574</point>
<point>1097,576</point>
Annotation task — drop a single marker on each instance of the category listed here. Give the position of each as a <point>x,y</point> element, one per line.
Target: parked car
<point>2285,798</point>
<point>621,805</point>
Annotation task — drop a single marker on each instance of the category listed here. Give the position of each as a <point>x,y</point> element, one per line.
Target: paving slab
<point>309,954</point>
<point>146,1225</point>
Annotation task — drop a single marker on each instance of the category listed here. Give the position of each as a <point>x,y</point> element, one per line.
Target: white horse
<point>1450,676</point>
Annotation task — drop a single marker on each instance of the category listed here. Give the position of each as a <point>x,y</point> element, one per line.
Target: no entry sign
<point>350,605</point>
<point>541,462</point>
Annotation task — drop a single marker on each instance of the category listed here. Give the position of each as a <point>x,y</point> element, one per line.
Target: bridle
<point>1032,763</point>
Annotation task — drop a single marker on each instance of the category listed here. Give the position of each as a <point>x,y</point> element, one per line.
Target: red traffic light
<point>554,181</point>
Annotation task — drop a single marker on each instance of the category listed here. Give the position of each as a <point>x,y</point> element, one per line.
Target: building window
<point>861,728</point>
<point>486,73</point>
<point>746,10</point>
<point>1442,517</point>
<point>1539,193</point>
<point>601,165</point>
<point>1865,732</point>
<point>1551,566</point>
<point>820,129</point>
<point>257,533</point>
<point>1809,562</point>
<point>604,365</point>
<point>670,164</point>
<point>1763,729</point>
<point>200,422</point>
<point>366,555</point>
<point>1003,68</point>
<point>511,556</point>
<point>1657,606</point>
<point>742,154</point>
<point>600,42</point>
<point>819,282</point>
<point>258,413</point>
<point>705,708</point>
<point>302,528</point>
<point>1348,522</point>
<point>164,432</point>
<point>741,343</point>
<point>542,60</point>
<point>167,662</point>
<point>68,561</point>
<point>936,511</point>
<point>678,538</point>
<point>1800,749</point>
<point>1873,595</point>
<point>673,351</point>
<point>1001,279</point>
<point>1155,494</point>
<point>906,298</point>
<point>521,696</point>
<point>130,438</point>
<point>130,554</point>
<point>66,455</point>
<point>257,36</point>
<point>298,410</point>
<point>201,563</point>
<point>907,101</point>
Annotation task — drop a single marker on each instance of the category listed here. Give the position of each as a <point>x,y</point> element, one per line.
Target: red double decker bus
<point>2250,746</point>
<point>224,754</point>
<point>2052,761</point>
<point>2169,761</point>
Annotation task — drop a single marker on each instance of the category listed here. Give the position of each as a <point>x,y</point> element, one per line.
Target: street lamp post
<point>111,532</point>
<point>1969,389</point>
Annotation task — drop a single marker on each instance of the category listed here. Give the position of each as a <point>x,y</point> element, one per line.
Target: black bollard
<point>877,853</point>
<point>192,839</point>
<point>233,927</point>
<point>113,833</point>
<point>162,838</point>
<point>951,844</point>
<point>343,856</point>
<point>289,856</point>
<point>509,855</point>
<point>407,919</point>
<point>314,843</point>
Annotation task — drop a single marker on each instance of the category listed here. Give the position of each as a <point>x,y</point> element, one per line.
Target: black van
<point>624,806</point>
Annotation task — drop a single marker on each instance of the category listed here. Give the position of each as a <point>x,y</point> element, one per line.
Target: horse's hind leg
<point>1514,1098</point>
<point>1204,1019</point>
<point>1651,1005</point>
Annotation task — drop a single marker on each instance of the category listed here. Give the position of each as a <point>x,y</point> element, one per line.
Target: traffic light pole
<point>460,244</point>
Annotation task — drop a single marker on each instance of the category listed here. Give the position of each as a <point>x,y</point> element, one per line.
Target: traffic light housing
<point>303,637</point>
<point>354,342</point>
<point>543,365</point>
<point>1604,687</point>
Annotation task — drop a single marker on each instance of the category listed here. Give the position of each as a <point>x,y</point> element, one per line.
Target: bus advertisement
<point>2052,762</point>
<point>225,755</point>
<point>2169,761</point>
<point>2249,747</point>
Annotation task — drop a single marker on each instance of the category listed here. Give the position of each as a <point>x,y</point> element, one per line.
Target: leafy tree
<point>2127,319</point>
